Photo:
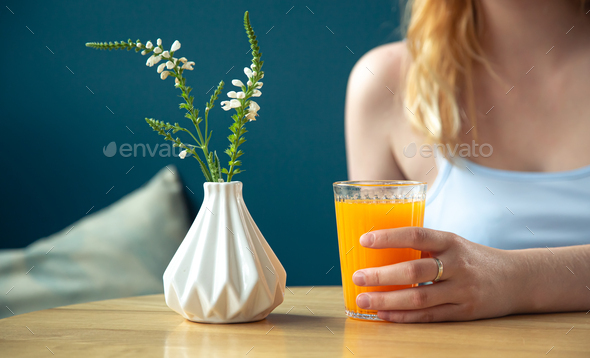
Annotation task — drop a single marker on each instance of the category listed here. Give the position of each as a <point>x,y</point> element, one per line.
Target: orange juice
<point>356,217</point>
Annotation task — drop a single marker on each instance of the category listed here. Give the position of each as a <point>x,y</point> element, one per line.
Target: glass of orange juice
<point>364,206</point>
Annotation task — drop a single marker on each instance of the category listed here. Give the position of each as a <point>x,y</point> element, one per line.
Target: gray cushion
<point>119,251</point>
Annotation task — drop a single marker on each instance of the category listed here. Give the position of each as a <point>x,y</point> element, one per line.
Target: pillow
<point>119,251</point>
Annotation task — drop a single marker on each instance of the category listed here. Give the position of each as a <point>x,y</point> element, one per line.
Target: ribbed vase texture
<point>224,271</point>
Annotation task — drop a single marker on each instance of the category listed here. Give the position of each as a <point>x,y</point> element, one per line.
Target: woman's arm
<point>558,278</point>
<point>477,281</point>
<point>371,112</point>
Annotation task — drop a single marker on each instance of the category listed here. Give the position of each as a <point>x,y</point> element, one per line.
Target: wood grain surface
<point>310,323</point>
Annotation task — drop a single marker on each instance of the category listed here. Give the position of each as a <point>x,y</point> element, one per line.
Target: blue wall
<point>54,128</point>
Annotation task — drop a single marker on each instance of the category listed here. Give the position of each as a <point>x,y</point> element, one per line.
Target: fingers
<point>441,313</point>
<point>403,273</point>
<point>407,299</point>
<point>413,237</point>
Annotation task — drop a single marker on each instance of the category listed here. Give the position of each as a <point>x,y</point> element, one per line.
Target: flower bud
<point>175,46</point>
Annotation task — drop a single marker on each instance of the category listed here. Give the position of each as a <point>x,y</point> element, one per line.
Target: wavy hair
<point>442,37</point>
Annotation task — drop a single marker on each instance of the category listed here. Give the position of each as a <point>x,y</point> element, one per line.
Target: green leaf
<point>204,170</point>
<point>217,164</point>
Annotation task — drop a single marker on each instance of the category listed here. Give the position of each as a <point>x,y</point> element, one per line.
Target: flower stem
<point>240,118</point>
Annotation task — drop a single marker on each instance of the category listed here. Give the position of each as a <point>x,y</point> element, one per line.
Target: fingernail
<point>367,239</point>
<point>359,278</point>
<point>363,300</point>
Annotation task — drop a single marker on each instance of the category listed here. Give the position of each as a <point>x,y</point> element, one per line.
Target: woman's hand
<point>477,281</point>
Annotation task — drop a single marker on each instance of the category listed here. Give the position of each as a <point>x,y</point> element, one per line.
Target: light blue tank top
<point>509,209</point>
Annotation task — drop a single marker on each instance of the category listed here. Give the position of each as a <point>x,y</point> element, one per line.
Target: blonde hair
<point>442,37</point>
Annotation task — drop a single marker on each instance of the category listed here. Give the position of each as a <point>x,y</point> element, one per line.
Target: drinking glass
<point>364,206</point>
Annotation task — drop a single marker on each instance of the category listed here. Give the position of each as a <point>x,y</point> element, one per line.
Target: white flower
<point>170,65</point>
<point>143,52</point>
<point>149,45</point>
<point>254,73</point>
<point>182,154</point>
<point>256,93</point>
<point>259,85</point>
<point>166,54</point>
<point>249,83</point>
<point>175,46</point>
<point>138,45</point>
<point>188,66</point>
<point>153,60</point>
<point>161,67</point>
<point>237,83</point>
<point>182,59</point>
<point>252,111</point>
<point>177,81</point>
<point>157,50</point>
<point>261,77</point>
<point>252,66</point>
<point>159,42</point>
<point>164,75</point>
<point>233,94</point>
<point>254,106</point>
<point>225,105</point>
<point>248,72</point>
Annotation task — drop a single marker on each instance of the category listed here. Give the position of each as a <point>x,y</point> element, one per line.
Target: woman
<point>515,217</point>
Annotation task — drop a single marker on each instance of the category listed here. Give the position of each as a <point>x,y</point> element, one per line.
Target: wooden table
<point>310,323</point>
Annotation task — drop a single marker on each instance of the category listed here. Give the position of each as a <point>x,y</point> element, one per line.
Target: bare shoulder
<point>373,113</point>
<point>377,77</point>
<point>377,129</point>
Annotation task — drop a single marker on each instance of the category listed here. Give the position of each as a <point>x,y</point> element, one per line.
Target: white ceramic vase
<point>224,271</point>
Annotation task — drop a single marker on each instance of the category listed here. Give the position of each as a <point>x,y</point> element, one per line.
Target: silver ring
<point>440,269</point>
